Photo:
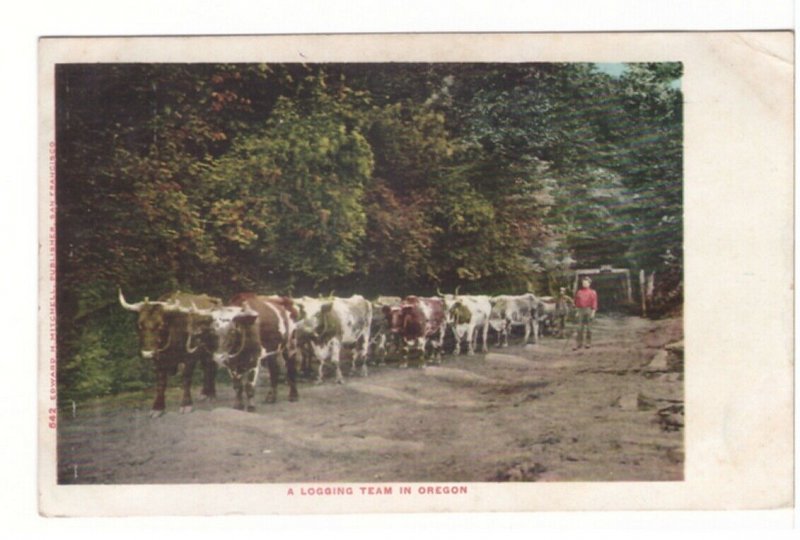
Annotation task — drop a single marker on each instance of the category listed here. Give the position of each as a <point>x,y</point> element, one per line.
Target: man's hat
<point>586,278</point>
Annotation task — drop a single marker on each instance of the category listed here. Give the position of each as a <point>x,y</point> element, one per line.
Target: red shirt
<point>586,298</point>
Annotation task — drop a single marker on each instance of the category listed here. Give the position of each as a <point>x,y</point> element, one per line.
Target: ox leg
<point>535,329</point>
<point>322,355</point>
<point>250,381</point>
<point>462,339</point>
<point>485,345</point>
<point>305,360</point>
<point>355,353</point>
<point>528,325</point>
<point>209,380</point>
<point>161,388</point>
<point>238,387</point>
<point>437,347</point>
<point>186,399</point>
<point>437,351</point>
<point>363,354</point>
<point>321,371</point>
<point>272,366</point>
<point>336,351</point>
<point>474,342</point>
<point>471,336</point>
<point>290,358</point>
<point>380,350</point>
<point>472,339</point>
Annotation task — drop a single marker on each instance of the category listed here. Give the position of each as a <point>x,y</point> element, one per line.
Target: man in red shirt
<point>586,304</point>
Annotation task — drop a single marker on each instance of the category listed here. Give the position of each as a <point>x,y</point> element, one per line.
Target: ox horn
<point>457,287</point>
<point>189,348</point>
<point>175,305</point>
<point>247,310</point>
<point>439,292</point>
<point>530,287</point>
<point>126,305</point>
<point>198,311</point>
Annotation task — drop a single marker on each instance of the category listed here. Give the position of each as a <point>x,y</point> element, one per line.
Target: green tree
<point>286,203</point>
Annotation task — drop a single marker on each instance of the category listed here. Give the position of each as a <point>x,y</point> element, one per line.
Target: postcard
<point>415,273</point>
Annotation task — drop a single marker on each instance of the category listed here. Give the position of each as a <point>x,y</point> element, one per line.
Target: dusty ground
<point>536,413</point>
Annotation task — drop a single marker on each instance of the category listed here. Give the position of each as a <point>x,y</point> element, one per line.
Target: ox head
<point>499,308</point>
<point>448,300</point>
<point>318,324</point>
<point>409,328</point>
<point>459,313</point>
<point>394,318</point>
<point>301,310</point>
<point>156,325</point>
<point>199,332</point>
<point>328,324</point>
<point>412,321</point>
<point>229,329</point>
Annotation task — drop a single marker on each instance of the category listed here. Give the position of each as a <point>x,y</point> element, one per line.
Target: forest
<point>394,178</point>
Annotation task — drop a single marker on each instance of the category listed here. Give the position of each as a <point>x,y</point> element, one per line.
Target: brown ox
<point>382,341</point>
<point>163,330</point>
<point>418,322</point>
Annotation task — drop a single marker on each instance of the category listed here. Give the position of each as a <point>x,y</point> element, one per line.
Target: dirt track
<point>536,413</point>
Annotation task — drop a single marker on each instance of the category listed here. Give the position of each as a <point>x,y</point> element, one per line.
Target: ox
<point>307,307</point>
<point>468,316</point>
<point>341,322</point>
<point>547,314</point>
<point>418,322</point>
<point>510,311</point>
<point>163,330</point>
<point>250,332</point>
<point>379,328</point>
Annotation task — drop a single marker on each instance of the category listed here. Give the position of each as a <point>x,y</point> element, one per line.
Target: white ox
<point>307,309</point>
<point>510,311</point>
<point>340,322</point>
<point>547,314</point>
<point>469,316</point>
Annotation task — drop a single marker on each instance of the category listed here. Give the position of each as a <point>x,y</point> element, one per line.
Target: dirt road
<point>535,413</point>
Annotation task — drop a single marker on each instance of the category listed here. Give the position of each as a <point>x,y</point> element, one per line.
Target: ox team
<point>252,331</point>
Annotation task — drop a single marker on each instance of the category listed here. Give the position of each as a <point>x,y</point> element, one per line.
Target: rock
<point>522,472</point>
<point>670,377</point>
<point>671,418</point>
<point>659,361</point>
<point>675,363</point>
<point>634,402</point>
<point>644,403</point>
<point>675,356</point>
<point>675,348</point>
<point>675,455</point>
